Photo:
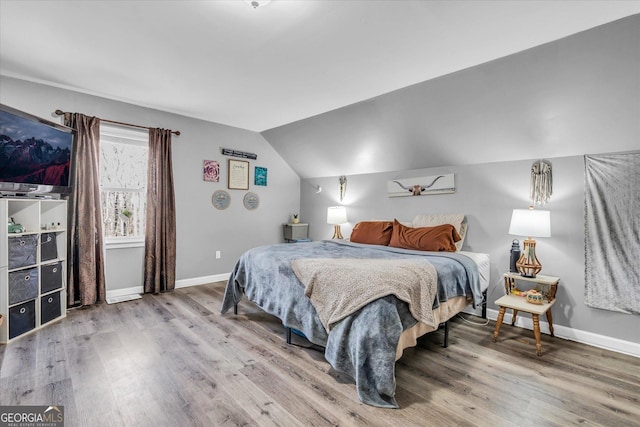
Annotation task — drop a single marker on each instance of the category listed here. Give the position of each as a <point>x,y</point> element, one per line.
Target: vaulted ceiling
<point>574,96</point>
<point>263,68</point>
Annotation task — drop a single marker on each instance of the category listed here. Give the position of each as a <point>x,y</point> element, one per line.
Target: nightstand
<point>547,285</point>
<point>294,233</point>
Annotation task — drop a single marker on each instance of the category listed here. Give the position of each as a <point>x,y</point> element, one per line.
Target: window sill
<point>123,242</point>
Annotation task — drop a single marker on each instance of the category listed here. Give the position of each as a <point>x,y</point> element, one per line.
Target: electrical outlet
<point>218,254</point>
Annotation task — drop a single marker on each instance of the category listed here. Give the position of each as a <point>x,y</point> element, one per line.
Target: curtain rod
<point>177,132</point>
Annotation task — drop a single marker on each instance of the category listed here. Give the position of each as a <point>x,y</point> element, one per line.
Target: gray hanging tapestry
<point>612,232</point>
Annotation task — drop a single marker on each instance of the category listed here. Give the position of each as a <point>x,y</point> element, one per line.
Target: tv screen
<point>35,154</point>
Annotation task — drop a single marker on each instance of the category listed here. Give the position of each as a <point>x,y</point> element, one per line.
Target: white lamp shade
<point>531,223</point>
<point>336,215</point>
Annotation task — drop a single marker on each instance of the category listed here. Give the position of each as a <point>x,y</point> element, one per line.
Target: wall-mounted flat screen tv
<point>35,154</point>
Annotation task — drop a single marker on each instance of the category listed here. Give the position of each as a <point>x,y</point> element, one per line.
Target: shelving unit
<point>33,267</point>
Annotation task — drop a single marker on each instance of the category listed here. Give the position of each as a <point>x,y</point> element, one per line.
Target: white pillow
<point>462,233</point>
<point>431,220</point>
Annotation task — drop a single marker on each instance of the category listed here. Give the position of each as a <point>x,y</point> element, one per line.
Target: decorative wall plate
<point>251,201</point>
<point>221,199</point>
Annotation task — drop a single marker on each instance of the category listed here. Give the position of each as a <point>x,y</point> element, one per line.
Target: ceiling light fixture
<point>256,3</point>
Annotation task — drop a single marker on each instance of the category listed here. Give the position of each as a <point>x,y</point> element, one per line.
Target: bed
<point>366,342</point>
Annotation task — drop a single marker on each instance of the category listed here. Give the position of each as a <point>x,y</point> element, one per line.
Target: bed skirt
<point>447,309</point>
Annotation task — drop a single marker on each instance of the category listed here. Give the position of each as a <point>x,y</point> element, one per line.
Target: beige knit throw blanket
<point>340,287</point>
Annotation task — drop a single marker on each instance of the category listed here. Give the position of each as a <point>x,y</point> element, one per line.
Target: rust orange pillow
<point>439,238</point>
<point>372,232</point>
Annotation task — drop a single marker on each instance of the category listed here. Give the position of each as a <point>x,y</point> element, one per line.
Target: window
<point>124,155</point>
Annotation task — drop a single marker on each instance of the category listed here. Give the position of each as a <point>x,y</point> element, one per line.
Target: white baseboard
<point>614,344</point>
<point>185,283</point>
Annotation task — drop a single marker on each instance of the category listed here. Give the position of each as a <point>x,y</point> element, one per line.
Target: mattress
<point>484,267</point>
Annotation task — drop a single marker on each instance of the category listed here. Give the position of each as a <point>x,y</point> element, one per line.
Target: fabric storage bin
<point>22,318</point>
<point>22,251</point>
<point>48,247</point>
<point>50,307</point>
<point>50,277</point>
<point>23,285</point>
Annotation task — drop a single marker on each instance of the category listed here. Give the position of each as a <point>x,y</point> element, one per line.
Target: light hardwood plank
<point>173,359</point>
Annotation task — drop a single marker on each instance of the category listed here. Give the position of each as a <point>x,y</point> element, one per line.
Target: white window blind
<point>124,156</point>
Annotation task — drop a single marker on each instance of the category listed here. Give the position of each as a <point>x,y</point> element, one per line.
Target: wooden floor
<point>173,360</point>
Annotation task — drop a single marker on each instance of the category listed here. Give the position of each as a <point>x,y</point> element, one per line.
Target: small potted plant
<point>295,218</point>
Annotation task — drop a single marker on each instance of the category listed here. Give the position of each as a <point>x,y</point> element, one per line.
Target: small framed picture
<point>260,177</point>
<point>238,175</point>
<point>211,171</point>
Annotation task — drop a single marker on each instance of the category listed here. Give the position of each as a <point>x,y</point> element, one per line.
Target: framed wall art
<point>238,153</point>
<point>211,171</point>
<point>260,176</point>
<point>424,186</point>
<point>238,175</point>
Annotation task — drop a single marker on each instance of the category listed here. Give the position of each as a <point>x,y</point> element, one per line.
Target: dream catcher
<point>541,183</point>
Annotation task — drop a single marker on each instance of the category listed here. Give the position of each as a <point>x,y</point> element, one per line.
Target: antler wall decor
<point>417,189</point>
<point>436,184</point>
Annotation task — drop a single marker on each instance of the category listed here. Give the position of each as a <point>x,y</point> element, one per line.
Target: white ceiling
<point>225,62</point>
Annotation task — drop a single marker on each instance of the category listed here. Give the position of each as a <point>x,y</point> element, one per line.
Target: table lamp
<point>336,215</point>
<point>530,223</point>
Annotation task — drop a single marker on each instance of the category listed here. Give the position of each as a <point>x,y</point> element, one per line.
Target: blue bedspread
<point>363,345</point>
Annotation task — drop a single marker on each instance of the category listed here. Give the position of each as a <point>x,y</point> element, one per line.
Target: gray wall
<point>487,194</point>
<point>124,269</point>
<point>577,95</point>
<point>201,229</point>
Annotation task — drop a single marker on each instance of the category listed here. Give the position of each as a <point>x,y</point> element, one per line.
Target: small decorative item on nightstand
<point>535,297</point>
<point>514,255</point>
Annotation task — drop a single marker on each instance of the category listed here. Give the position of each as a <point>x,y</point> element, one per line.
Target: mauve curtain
<point>86,264</point>
<point>160,233</point>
